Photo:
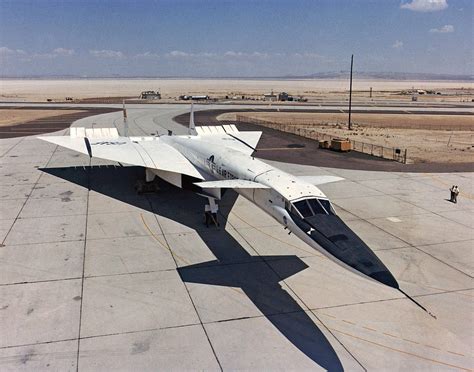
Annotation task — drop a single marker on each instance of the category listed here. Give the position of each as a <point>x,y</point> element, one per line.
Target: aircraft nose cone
<point>332,234</point>
<point>385,277</point>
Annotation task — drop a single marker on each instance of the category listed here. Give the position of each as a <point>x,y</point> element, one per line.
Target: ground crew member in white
<point>456,193</point>
<point>451,190</point>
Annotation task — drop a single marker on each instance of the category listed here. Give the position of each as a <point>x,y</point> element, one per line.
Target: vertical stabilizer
<point>125,121</point>
<point>192,126</point>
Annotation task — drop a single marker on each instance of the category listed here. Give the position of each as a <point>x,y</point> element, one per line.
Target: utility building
<point>150,94</point>
<point>270,96</point>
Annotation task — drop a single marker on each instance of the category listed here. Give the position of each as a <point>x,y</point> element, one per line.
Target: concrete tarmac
<point>94,277</point>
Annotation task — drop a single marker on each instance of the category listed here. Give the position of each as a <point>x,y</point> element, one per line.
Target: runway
<point>274,145</point>
<point>96,277</point>
<point>48,125</point>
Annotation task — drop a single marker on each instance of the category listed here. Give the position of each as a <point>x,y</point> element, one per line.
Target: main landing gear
<point>148,185</point>
<point>143,187</point>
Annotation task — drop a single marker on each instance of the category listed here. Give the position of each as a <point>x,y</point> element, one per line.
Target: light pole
<point>350,94</point>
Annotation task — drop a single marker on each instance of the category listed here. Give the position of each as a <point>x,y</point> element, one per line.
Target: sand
<point>408,121</point>
<point>423,145</point>
<point>9,116</point>
<point>40,90</point>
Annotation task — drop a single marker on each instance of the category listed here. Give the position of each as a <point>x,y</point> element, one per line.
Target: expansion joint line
<point>89,170</point>
<point>298,297</point>
<point>184,283</point>
<point>408,244</point>
<point>29,195</point>
<point>11,148</point>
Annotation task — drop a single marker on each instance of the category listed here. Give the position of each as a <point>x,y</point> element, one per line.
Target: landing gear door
<point>215,193</point>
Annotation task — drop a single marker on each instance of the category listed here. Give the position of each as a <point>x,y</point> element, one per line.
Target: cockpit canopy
<point>312,207</point>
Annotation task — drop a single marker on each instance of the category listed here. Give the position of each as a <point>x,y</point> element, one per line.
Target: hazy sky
<point>234,38</point>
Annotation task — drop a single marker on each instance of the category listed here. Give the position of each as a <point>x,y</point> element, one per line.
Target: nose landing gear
<point>210,212</point>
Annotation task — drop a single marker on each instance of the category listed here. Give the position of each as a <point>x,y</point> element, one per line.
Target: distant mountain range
<point>383,76</point>
<point>336,75</point>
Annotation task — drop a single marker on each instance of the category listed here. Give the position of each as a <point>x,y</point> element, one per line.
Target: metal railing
<point>391,153</point>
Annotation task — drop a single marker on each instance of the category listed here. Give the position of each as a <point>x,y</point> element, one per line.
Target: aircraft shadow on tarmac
<point>257,276</point>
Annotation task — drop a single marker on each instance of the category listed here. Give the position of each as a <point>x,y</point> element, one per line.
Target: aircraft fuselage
<point>299,206</point>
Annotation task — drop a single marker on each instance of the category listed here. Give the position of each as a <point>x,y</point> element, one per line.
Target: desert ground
<point>313,89</point>
<point>427,138</point>
<point>402,121</point>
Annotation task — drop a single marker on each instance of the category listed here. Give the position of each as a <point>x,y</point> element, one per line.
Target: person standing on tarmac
<point>456,193</point>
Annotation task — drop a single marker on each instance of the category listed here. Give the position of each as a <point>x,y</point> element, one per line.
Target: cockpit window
<point>303,207</point>
<point>316,207</point>
<point>312,207</point>
<point>327,205</point>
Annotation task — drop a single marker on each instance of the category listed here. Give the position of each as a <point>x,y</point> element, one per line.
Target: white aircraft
<point>211,159</point>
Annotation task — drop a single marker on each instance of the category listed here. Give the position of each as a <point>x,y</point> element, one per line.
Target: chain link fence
<point>300,129</point>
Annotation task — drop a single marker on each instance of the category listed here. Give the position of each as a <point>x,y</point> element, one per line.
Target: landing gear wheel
<point>142,187</point>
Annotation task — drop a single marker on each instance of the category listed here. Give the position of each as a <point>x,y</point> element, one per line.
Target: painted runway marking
<point>160,242</point>
<point>167,247</point>
<point>401,351</point>
<point>431,347</point>
<point>452,352</point>
<point>454,292</point>
<point>348,322</point>
<point>413,342</point>
<point>370,329</point>
<point>391,335</point>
